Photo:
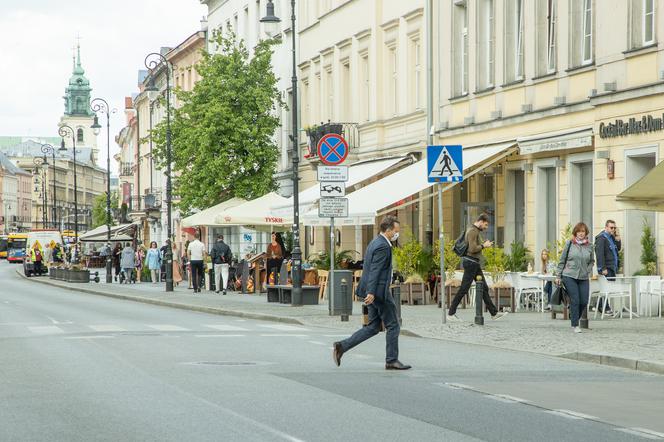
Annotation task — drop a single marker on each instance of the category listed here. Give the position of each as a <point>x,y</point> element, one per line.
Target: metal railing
<point>126,169</point>
<point>350,132</point>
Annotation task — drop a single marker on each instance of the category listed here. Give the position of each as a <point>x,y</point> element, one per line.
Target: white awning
<point>255,213</point>
<point>365,204</point>
<point>207,217</point>
<point>357,173</point>
<point>123,232</point>
<point>647,193</point>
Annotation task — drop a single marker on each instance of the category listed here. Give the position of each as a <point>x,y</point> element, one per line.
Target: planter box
<point>502,297</point>
<point>77,276</point>
<point>51,272</point>
<point>60,274</point>
<point>450,293</point>
<point>414,292</point>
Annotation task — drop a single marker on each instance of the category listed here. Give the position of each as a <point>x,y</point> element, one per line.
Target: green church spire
<point>77,93</point>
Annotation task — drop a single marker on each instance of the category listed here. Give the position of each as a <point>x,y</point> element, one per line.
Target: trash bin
<point>342,301</point>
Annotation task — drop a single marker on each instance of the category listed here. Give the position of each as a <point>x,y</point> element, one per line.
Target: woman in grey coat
<point>128,262</point>
<point>575,269</point>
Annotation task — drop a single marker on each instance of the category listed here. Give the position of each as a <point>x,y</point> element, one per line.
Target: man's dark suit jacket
<point>377,270</point>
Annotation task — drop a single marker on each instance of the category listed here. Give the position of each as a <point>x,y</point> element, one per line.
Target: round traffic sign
<point>332,149</point>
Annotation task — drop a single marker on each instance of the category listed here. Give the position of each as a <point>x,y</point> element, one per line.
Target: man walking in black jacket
<point>607,246</point>
<point>221,258</point>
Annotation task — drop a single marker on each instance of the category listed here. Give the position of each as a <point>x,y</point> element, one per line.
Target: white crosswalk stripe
<point>167,327</point>
<point>219,336</point>
<point>223,327</point>
<point>107,328</point>
<point>283,327</point>
<point>46,330</point>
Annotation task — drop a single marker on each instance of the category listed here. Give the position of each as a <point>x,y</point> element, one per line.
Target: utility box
<point>341,301</point>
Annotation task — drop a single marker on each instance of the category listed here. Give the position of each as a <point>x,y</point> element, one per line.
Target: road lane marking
<point>91,337</point>
<point>283,327</point>
<point>223,327</point>
<point>643,432</point>
<point>219,336</point>
<point>46,330</point>
<point>317,342</point>
<point>56,322</point>
<point>283,335</point>
<point>336,336</point>
<point>167,327</point>
<point>455,386</point>
<point>107,328</point>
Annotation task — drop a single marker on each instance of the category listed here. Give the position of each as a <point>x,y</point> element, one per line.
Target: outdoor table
<point>543,278</point>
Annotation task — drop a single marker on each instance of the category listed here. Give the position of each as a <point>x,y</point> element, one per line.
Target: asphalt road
<point>78,367</point>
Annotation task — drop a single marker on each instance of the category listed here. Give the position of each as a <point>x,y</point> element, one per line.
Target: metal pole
<point>441,236</point>
<point>169,158</point>
<point>330,284</point>
<point>151,161</point>
<point>55,210</point>
<point>75,255</point>
<point>297,252</point>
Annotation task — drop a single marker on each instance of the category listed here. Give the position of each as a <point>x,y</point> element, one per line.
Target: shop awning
<point>207,217</point>
<point>365,204</point>
<point>123,232</point>
<point>255,213</point>
<point>357,173</point>
<point>647,193</point>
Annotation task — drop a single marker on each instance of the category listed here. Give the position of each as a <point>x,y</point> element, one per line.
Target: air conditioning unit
<point>496,115</point>
<point>469,120</point>
<point>559,101</point>
<point>611,87</point>
<point>526,108</point>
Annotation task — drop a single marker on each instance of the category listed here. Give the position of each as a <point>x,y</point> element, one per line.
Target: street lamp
<point>39,162</point>
<point>152,61</point>
<point>271,21</point>
<point>101,105</point>
<point>48,149</point>
<point>65,131</point>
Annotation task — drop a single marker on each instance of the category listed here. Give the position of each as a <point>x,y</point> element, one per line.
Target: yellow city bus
<point>3,246</point>
<point>16,243</point>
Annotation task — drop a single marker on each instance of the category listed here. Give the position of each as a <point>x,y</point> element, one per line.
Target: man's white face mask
<point>395,236</point>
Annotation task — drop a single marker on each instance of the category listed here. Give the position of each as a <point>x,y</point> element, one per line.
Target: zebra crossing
<point>106,330</point>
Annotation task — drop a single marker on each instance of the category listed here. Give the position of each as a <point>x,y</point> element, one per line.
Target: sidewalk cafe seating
<point>613,290</point>
<point>527,292</point>
<point>655,290</point>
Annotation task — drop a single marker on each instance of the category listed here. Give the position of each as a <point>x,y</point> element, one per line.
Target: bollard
<point>344,300</point>
<point>480,286</point>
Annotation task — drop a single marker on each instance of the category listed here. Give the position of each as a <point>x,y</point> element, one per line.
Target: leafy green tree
<point>648,251</point>
<point>99,209</point>
<point>222,134</point>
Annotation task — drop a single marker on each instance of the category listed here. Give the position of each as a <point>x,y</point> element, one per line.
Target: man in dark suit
<point>374,288</point>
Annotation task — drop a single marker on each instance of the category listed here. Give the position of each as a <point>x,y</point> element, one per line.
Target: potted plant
<point>314,134</point>
<point>649,263</point>
<point>77,273</point>
<point>452,262</point>
<point>495,266</point>
<point>145,274</point>
<point>519,257</point>
<point>321,260</point>
<point>408,258</point>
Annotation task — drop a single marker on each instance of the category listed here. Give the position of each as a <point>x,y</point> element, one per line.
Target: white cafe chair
<point>611,290</point>
<point>655,290</point>
<point>527,291</point>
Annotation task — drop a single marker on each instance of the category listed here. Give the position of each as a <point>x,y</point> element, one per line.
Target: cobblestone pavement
<point>639,339</point>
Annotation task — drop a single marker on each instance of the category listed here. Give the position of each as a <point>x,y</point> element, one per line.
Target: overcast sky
<point>36,40</point>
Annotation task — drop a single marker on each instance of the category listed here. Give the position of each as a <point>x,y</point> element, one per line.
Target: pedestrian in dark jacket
<point>117,251</point>
<point>221,258</point>
<point>607,247</point>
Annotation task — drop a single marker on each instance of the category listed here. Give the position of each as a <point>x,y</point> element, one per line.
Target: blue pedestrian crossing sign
<point>444,164</point>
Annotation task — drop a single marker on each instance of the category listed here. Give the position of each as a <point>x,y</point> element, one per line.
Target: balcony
<point>126,169</point>
<point>152,200</point>
<point>349,131</point>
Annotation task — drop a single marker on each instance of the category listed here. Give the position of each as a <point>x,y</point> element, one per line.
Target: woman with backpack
<point>575,269</point>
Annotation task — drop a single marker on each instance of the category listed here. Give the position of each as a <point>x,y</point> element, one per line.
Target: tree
<point>222,134</point>
<point>99,209</point>
<point>648,251</point>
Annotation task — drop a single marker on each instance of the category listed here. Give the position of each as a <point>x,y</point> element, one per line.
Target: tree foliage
<point>222,134</point>
<point>99,209</point>
<point>648,251</point>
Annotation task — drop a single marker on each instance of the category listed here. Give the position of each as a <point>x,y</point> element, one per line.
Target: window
<point>346,90</point>
<point>329,94</point>
<point>79,136</point>
<point>587,32</point>
<point>546,36</point>
<point>393,86</point>
<point>245,24</point>
<point>485,44</point>
<point>581,32</point>
<point>513,40</point>
<point>365,80</point>
<point>642,25</point>
<point>306,107</point>
<point>460,49</point>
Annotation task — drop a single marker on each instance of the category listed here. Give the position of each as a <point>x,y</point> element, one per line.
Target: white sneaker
<point>499,315</point>
<point>577,329</point>
<point>454,318</point>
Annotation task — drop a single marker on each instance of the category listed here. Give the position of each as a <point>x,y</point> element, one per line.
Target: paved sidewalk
<point>636,343</point>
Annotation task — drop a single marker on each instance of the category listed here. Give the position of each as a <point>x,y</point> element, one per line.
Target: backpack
<point>461,245</point>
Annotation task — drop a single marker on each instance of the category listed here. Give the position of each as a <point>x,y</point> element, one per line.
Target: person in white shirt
<point>196,253</point>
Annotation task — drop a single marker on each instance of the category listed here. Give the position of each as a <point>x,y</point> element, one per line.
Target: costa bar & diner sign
<point>633,126</point>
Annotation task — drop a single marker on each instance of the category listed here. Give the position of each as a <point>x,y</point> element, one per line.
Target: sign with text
<point>333,208</point>
<point>331,188</point>
<point>333,173</point>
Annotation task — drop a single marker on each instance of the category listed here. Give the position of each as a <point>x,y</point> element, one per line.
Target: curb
<point>616,361</point>
<point>201,309</point>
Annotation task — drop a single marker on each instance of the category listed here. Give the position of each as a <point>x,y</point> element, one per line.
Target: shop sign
<point>545,146</point>
<point>621,128</point>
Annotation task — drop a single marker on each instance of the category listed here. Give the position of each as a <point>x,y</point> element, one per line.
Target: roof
<point>31,148</point>
<point>8,141</point>
<point>7,165</point>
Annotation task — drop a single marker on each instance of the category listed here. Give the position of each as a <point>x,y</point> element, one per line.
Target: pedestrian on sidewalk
<point>221,258</point>
<point>117,251</point>
<point>153,260</point>
<point>548,268</point>
<point>575,269</point>
<point>472,268</point>
<point>177,273</point>
<point>607,247</point>
<point>374,288</point>
<point>196,253</point>
<point>128,263</point>
<point>276,251</point>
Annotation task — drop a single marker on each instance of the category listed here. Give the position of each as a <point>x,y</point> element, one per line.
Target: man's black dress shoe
<point>396,365</point>
<point>337,353</point>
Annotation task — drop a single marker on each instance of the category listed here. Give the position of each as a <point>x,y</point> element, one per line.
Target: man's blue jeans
<point>579,292</point>
<point>385,311</point>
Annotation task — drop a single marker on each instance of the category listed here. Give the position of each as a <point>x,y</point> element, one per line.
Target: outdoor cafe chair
<point>526,290</point>
<point>610,290</point>
<point>655,290</point>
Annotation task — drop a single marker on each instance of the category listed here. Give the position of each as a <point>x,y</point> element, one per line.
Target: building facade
<point>15,197</point>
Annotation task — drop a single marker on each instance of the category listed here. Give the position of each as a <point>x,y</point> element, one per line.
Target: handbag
<point>560,295</point>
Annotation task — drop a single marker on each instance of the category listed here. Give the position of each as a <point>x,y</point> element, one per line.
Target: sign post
<point>444,165</point>
<point>332,151</point>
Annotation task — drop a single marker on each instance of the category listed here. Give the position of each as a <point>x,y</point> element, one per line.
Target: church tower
<point>78,114</point>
